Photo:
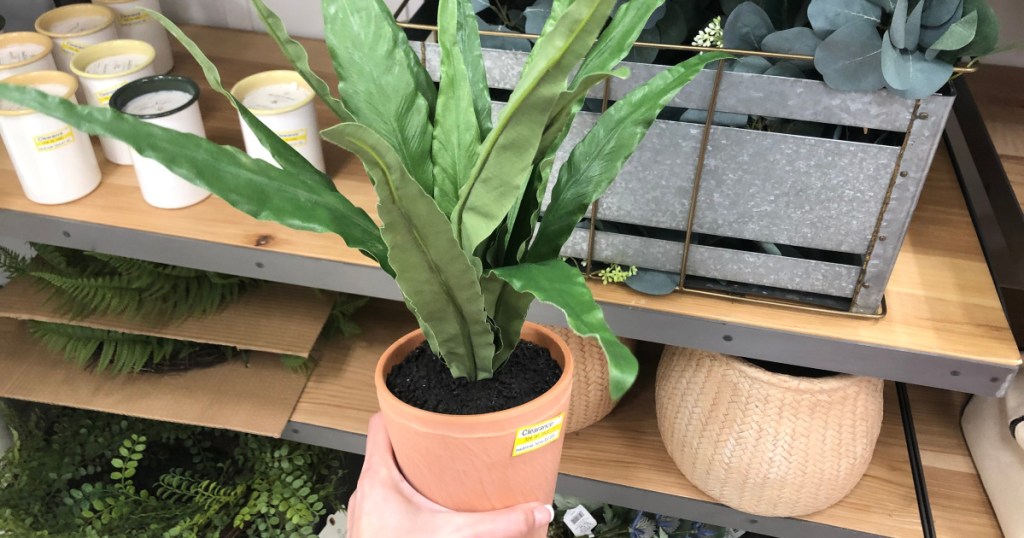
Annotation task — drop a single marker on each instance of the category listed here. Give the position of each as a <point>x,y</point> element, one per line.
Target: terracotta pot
<point>591,400</point>
<point>466,462</point>
<point>766,443</point>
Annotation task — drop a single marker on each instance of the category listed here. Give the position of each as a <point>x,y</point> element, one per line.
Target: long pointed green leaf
<point>381,81</point>
<point>253,186</point>
<point>456,144</point>
<point>617,39</point>
<point>596,161</point>
<point>299,59</point>
<point>440,283</point>
<point>555,283</point>
<point>472,57</point>
<point>507,309</point>
<point>283,153</point>
<point>504,167</point>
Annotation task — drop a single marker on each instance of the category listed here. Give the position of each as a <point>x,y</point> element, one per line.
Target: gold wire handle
<point>662,46</point>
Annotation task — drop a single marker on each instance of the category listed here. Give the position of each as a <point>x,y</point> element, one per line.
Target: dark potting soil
<point>423,380</point>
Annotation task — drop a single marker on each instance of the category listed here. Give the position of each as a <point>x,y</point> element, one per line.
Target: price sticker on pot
<point>530,438</point>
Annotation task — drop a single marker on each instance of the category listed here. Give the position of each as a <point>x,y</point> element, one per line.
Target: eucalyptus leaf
<point>437,278</point>
<point>746,27</point>
<point>595,162</point>
<point>651,282</point>
<point>370,53</point>
<point>722,119</point>
<point>556,283</point>
<point>958,36</point>
<point>501,171</point>
<point>645,55</point>
<point>299,59</point>
<point>898,29</point>
<point>931,34</point>
<point>827,16</point>
<point>481,5</point>
<point>888,5</point>
<point>938,11</point>
<point>851,58</point>
<point>785,69</point>
<point>921,76</point>
<point>987,37</point>
<point>793,41</point>
<point>750,64</point>
<point>253,186</point>
<point>537,15</point>
<point>913,27</point>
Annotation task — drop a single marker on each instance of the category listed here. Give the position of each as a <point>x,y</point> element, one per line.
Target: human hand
<point>385,504</point>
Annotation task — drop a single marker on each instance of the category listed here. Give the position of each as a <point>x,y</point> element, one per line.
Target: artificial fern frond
<point>122,353</point>
<point>85,284</point>
<point>12,263</point>
<point>339,321</point>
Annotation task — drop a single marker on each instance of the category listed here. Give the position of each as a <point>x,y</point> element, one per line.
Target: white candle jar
<point>283,101</point>
<point>132,23</point>
<point>74,27</point>
<point>102,69</point>
<point>55,163</point>
<point>172,102</point>
<point>24,52</point>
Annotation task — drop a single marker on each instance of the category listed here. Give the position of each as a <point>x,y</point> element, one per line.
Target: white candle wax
<point>53,89</point>
<point>76,25</point>
<point>157,102</point>
<point>116,64</point>
<point>276,97</point>
<point>19,53</point>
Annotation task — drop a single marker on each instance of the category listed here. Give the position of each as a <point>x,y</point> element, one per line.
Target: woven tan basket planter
<point>590,401</point>
<point>766,443</point>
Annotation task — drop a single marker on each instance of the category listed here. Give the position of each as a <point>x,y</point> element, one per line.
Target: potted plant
<point>458,196</point>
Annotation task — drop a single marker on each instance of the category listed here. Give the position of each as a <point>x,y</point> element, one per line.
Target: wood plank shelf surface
<point>945,326</point>
<point>622,457</point>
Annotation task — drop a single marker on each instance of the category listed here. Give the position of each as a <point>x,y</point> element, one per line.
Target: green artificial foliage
<point>75,473</point>
<point>84,284</point>
<point>458,195</point>
<point>124,353</point>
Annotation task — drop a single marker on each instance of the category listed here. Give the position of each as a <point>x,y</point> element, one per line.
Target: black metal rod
<point>924,505</point>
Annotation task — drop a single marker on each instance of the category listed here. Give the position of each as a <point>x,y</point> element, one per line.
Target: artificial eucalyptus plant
<point>458,190</point>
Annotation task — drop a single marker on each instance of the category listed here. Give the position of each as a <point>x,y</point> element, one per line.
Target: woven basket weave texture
<point>766,443</point>
<point>590,401</point>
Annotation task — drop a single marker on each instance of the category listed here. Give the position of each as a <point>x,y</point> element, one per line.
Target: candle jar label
<point>294,137</point>
<point>103,96</point>
<point>19,53</point>
<point>56,139</point>
<point>132,18</point>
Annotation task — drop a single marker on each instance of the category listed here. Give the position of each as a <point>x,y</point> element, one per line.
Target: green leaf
<point>987,37</point>
<point>283,153</point>
<point>507,310</point>
<point>958,36</point>
<point>746,27</point>
<point>615,42</point>
<point>913,75</point>
<point>299,59</point>
<point>118,463</point>
<point>792,41</point>
<point>381,80</point>
<point>439,281</point>
<point>939,11</point>
<point>596,161</point>
<point>501,170</point>
<point>556,283</point>
<point>851,58</point>
<point>912,27</point>
<point>898,29</point>
<point>457,128</point>
<point>827,16</point>
<point>255,187</point>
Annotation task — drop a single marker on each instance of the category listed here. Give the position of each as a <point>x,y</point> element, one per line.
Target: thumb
<point>514,522</point>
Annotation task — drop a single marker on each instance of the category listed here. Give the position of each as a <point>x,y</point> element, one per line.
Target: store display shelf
<point>620,460</point>
<point>945,326</point>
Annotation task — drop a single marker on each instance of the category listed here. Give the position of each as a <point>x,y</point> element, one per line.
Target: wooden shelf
<point>622,460</point>
<point>945,326</point>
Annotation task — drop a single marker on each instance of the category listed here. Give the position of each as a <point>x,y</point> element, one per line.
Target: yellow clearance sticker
<point>128,19</point>
<point>530,438</point>
<point>54,140</point>
<point>297,137</point>
<point>71,47</point>
<point>103,96</point>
